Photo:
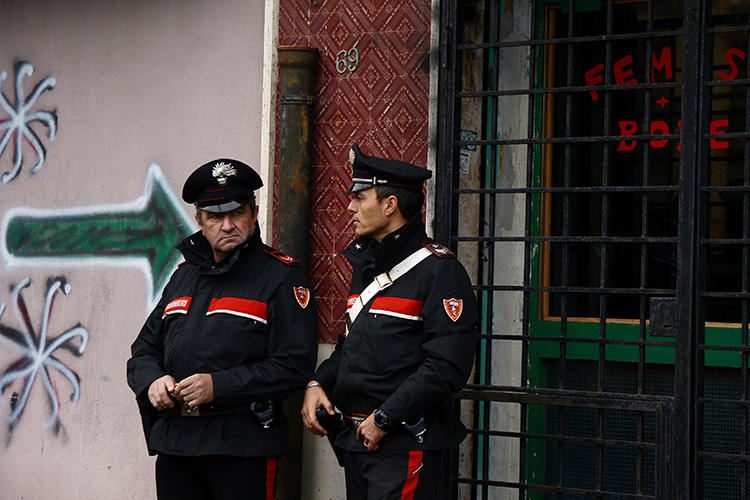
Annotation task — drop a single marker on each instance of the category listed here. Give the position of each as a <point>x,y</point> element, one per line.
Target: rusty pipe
<point>297,74</point>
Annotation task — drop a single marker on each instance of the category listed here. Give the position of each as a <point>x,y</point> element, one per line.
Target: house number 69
<point>347,60</point>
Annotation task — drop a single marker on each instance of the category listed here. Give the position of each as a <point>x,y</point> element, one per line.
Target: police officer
<point>234,332</point>
<point>411,314</point>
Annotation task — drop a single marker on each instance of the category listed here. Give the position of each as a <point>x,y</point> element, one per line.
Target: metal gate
<point>594,177</point>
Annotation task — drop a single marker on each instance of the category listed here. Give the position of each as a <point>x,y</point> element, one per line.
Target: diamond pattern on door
<point>382,105</point>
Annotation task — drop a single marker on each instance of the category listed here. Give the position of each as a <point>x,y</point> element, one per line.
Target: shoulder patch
<point>302,295</point>
<point>439,250</point>
<point>289,261</point>
<point>453,308</point>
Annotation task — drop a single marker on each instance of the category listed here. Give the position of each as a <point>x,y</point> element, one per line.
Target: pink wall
<point>143,93</point>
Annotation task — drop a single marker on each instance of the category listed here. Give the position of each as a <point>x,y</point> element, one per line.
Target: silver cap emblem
<point>223,170</point>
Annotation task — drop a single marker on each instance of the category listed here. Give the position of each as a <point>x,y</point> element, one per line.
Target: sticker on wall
<point>466,150</point>
<point>37,355</point>
<point>21,114</point>
<point>141,234</point>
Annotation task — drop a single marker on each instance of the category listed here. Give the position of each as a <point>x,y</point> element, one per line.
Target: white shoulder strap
<point>383,281</point>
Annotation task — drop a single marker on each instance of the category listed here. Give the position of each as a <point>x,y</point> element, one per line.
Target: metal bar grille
<point>599,170</point>
<point>722,403</point>
<point>571,239</point>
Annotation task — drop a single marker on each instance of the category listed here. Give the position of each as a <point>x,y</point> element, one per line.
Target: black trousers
<point>392,475</point>
<point>215,477</point>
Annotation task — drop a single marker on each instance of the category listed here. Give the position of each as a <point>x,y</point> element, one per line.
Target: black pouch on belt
<point>264,412</point>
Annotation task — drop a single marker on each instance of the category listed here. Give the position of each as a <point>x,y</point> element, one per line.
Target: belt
<point>416,429</point>
<point>355,419</point>
<point>183,410</point>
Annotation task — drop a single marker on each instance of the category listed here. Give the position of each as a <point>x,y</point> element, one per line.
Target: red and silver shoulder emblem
<point>439,249</point>
<point>302,295</point>
<point>453,308</point>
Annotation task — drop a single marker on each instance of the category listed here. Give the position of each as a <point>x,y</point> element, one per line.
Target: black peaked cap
<point>370,171</point>
<point>221,185</point>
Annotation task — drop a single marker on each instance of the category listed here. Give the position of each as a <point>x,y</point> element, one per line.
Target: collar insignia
<point>302,295</point>
<point>453,308</point>
<point>440,249</point>
<point>223,170</point>
<point>280,255</point>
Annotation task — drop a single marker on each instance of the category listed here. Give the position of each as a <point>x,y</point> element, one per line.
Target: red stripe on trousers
<point>412,475</point>
<point>272,464</point>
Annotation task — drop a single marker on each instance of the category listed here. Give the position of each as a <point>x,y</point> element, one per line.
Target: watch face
<point>381,419</point>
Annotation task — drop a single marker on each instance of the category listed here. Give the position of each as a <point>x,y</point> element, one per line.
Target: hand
<point>315,397</point>
<point>196,389</point>
<point>369,433</point>
<point>158,392</point>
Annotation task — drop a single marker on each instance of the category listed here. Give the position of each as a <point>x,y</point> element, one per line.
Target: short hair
<point>250,202</point>
<point>409,201</point>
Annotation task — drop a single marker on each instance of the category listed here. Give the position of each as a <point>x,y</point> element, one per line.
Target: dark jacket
<point>250,322</point>
<point>411,347</point>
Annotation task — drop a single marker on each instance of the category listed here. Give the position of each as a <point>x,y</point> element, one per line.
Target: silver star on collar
<point>358,246</point>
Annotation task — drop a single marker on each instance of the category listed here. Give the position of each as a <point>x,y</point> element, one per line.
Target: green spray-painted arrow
<point>141,233</point>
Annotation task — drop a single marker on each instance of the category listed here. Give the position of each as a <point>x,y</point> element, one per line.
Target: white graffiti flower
<point>20,116</point>
<point>37,358</point>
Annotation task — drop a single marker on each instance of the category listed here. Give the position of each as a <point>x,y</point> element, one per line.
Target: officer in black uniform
<point>411,317</point>
<point>234,332</point>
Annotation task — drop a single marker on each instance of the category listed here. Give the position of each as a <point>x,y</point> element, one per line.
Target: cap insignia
<point>223,170</point>
<point>352,156</point>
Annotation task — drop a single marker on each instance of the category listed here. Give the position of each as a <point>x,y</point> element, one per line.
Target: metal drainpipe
<point>298,65</point>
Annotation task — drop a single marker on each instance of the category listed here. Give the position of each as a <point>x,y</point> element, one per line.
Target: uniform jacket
<point>250,322</point>
<point>412,345</point>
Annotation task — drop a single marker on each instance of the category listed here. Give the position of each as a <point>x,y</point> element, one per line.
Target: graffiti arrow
<point>142,233</point>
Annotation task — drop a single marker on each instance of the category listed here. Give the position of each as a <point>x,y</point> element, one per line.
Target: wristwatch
<point>382,420</point>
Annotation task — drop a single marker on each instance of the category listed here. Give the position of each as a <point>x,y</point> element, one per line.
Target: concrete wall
<point>509,256</point>
<point>510,214</point>
<point>141,93</point>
